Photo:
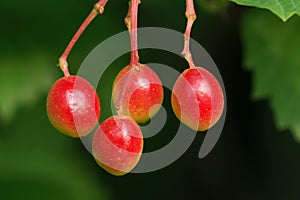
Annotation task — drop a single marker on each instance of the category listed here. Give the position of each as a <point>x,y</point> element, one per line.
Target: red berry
<point>73,106</point>
<point>140,91</point>
<point>117,145</point>
<point>197,99</point>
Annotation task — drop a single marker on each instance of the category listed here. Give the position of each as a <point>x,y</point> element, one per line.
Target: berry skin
<point>197,99</point>
<point>73,106</point>
<point>141,92</point>
<point>117,145</point>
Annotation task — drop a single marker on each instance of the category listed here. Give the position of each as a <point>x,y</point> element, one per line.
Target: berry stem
<point>131,22</point>
<point>191,17</point>
<point>98,9</point>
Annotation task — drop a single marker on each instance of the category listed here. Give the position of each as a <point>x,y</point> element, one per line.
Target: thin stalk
<point>133,10</point>
<point>98,9</point>
<point>191,17</point>
<point>131,23</point>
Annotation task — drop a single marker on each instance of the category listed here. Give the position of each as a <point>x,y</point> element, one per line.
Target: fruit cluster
<point>73,106</point>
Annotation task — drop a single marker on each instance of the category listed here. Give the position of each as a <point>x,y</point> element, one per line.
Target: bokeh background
<point>252,159</point>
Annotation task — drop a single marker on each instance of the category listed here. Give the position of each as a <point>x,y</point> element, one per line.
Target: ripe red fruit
<point>197,99</point>
<point>117,145</point>
<point>73,106</point>
<point>138,92</point>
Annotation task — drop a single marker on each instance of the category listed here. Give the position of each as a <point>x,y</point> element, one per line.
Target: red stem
<point>191,17</point>
<point>131,23</point>
<point>98,9</point>
<point>133,10</point>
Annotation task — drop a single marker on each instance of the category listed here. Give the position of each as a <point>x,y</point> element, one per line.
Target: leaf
<point>283,8</point>
<point>22,80</point>
<point>271,50</point>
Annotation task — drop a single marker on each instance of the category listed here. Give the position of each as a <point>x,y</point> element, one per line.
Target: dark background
<point>252,159</point>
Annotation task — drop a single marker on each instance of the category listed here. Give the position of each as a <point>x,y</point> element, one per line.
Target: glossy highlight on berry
<point>117,145</point>
<point>138,92</point>
<point>197,99</point>
<point>73,106</point>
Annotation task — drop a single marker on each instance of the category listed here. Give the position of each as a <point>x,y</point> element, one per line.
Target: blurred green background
<point>252,159</point>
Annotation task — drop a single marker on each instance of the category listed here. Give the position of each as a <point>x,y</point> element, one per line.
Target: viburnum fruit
<point>197,99</point>
<point>73,106</point>
<point>117,145</point>
<point>138,92</point>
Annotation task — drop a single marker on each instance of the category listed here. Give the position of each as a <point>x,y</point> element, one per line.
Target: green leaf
<point>271,50</point>
<point>22,80</point>
<point>283,8</point>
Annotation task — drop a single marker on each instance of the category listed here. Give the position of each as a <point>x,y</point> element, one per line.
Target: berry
<point>197,99</point>
<point>73,106</point>
<point>138,92</point>
<point>117,145</point>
